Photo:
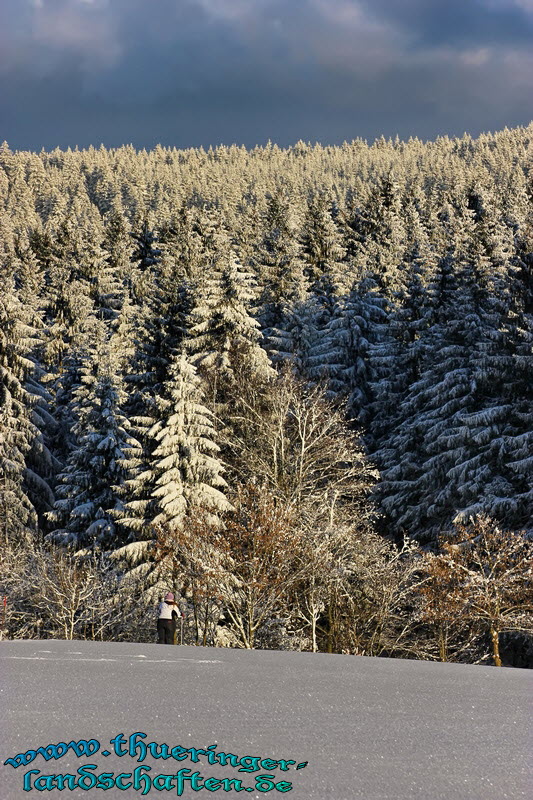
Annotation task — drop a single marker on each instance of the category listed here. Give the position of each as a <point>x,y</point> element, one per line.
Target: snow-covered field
<point>367,728</point>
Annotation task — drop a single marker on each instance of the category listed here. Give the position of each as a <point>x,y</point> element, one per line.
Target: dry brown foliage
<point>480,581</point>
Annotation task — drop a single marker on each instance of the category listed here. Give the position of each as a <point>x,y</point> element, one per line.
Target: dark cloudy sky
<point>201,72</point>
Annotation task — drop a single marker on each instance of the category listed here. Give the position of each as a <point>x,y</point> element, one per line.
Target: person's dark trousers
<point>165,631</point>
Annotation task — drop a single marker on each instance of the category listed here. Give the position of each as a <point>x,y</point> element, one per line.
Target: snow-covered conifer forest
<point>291,385</point>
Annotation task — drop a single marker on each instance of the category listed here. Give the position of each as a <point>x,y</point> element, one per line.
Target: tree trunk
<point>442,644</point>
<point>314,615</point>
<point>196,622</point>
<point>250,631</point>
<point>206,623</point>
<point>495,636</point>
<point>313,630</point>
<point>330,629</point>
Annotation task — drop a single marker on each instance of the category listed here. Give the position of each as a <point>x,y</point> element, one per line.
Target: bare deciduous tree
<point>296,441</point>
<point>190,561</point>
<point>260,539</point>
<point>355,593</point>
<point>52,592</point>
<point>482,578</point>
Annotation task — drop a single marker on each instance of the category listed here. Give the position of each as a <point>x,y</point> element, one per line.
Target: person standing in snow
<point>168,615</point>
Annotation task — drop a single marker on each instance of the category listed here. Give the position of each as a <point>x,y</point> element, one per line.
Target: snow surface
<point>368,727</point>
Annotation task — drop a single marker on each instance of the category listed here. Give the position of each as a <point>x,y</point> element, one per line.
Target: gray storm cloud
<point>191,72</point>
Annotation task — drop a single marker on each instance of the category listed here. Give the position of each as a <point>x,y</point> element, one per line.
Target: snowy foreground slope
<point>368,728</point>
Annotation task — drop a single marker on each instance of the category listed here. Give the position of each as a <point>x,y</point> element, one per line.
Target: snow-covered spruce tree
<point>107,290</point>
<point>88,487</point>
<point>399,360</point>
<point>18,432</point>
<point>500,425</point>
<point>246,225</point>
<point>29,277</point>
<point>71,247</point>
<point>41,463</point>
<point>517,439</point>
<point>126,335</point>
<point>102,187</point>
<point>278,262</point>
<point>298,341</point>
<point>188,472</point>
<point>323,253</point>
<point>416,459</point>
<point>91,260</point>
<point>181,248</point>
<point>25,286</point>
<point>421,255</point>
<point>356,328</point>
<point>376,234</point>
<point>499,414</point>
<point>445,453</point>
<point>19,201</point>
<point>154,341</point>
<point>153,336</point>
<point>398,353</point>
<point>68,303</point>
<point>356,224</point>
<point>117,242</point>
<point>523,258</point>
<point>225,338</point>
<point>182,474</point>
<point>7,245</point>
<point>145,260</point>
<point>211,233</point>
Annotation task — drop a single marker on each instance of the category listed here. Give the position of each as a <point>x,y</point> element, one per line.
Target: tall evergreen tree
<point>278,262</point>
<point>323,252</point>
<point>18,432</point>
<point>145,260</point>
<point>87,491</point>
<point>379,234</point>
<point>182,472</point>
<point>356,329</point>
<point>298,340</point>
<point>225,338</point>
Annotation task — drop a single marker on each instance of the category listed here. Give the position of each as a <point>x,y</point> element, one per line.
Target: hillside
<point>377,729</point>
